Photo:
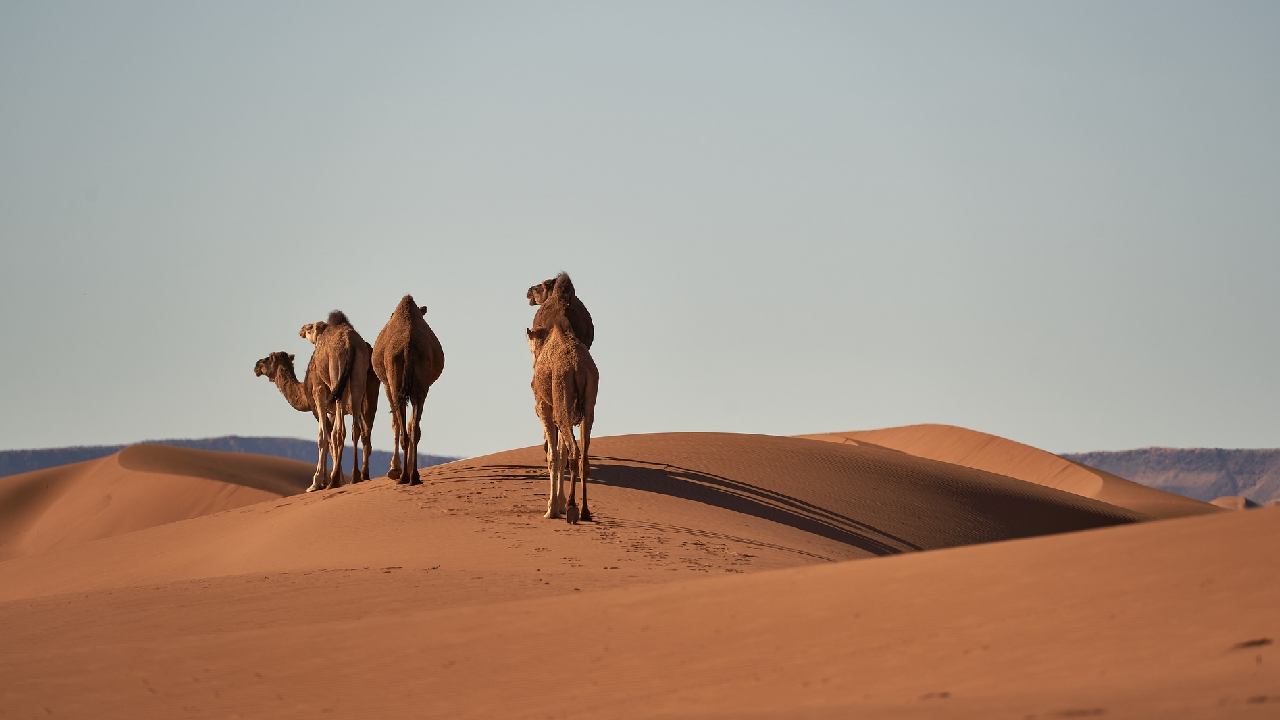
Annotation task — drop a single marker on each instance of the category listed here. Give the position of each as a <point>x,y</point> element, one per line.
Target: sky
<point>1056,222</point>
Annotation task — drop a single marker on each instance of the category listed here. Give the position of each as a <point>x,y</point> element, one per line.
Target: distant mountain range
<point>20,461</point>
<point>1200,473</point>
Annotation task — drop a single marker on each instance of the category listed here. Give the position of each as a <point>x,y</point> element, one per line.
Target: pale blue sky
<point>1058,222</point>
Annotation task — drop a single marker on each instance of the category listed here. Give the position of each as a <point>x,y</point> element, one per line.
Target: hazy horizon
<point>1054,223</point>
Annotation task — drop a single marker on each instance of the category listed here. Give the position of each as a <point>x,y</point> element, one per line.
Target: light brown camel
<point>579,318</point>
<point>278,368</point>
<point>361,428</point>
<point>407,358</point>
<point>565,385</point>
<point>340,368</point>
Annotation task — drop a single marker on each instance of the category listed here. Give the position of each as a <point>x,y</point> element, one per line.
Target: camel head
<point>539,293</point>
<point>272,364</point>
<point>558,285</point>
<point>311,331</point>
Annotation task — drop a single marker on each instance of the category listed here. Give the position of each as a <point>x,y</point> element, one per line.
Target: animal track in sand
<point>1255,643</point>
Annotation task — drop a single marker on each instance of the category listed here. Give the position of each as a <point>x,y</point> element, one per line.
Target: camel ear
<point>290,357</point>
<point>423,310</point>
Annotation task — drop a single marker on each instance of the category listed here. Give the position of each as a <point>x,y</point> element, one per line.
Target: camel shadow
<point>726,493</point>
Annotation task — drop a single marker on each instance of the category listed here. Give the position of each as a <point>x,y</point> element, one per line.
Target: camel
<point>361,428</point>
<point>340,369</point>
<point>278,368</point>
<point>408,359</point>
<point>579,318</point>
<point>565,385</point>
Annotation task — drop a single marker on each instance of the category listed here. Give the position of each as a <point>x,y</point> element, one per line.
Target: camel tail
<point>564,403</point>
<point>346,375</point>
<point>406,382</point>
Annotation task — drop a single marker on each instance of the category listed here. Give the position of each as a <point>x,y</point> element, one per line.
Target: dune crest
<point>992,453</point>
<point>139,487</point>
<point>1234,502</point>
<point>674,504</point>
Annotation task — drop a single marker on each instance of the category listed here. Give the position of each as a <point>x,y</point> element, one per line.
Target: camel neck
<point>293,391</point>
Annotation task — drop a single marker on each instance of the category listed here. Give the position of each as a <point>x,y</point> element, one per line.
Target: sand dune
<point>702,591</point>
<point>1234,502</point>
<point>970,448</point>
<point>138,487</point>
<point>669,505</point>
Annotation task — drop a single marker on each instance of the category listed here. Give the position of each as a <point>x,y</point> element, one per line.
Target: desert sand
<point>995,454</point>
<point>726,576</point>
<point>1234,502</point>
<point>138,487</point>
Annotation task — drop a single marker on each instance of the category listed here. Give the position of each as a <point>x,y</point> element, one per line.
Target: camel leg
<point>402,442</point>
<point>322,450</point>
<point>355,404</point>
<point>397,427</point>
<point>417,437</point>
<point>367,441</point>
<point>414,432</point>
<point>356,434</point>
<point>571,456</point>
<point>553,465</point>
<point>359,440</point>
<point>584,462</point>
<point>409,473</point>
<point>338,440</point>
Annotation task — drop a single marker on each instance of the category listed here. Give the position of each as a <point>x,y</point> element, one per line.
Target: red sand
<point>704,589</point>
<point>141,486</point>
<point>992,453</point>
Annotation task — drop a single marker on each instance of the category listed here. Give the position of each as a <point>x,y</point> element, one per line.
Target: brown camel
<point>361,428</point>
<point>407,358</point>
<point>565,385</point>
<point>278,368</point>
<point>341,369</point>
<point>579,318</point>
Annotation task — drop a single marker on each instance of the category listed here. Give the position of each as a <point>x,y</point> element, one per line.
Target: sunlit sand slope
<point>138,487</point>
<point>992,453</point>
<point>1151,620</point>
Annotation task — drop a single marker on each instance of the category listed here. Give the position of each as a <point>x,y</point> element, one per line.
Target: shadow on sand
<point>722,492</point>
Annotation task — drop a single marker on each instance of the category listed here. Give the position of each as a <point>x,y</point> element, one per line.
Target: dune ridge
<point>139,487</point>
<point>698,502</point>
<point>971,448</point>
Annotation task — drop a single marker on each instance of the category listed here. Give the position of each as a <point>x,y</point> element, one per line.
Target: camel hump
<point>554,313</point>
<point>563,285</point>
<point>337,317</point>
<point>580,318</point>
